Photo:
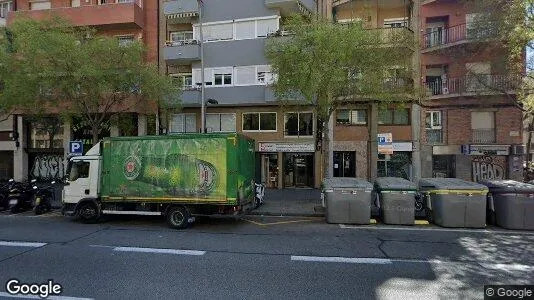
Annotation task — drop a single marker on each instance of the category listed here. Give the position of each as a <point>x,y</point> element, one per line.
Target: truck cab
<point>83,181</point>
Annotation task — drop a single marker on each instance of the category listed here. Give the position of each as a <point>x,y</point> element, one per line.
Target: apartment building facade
<point>236,77</point>
<point>38,148</point>
<point>472,128</point>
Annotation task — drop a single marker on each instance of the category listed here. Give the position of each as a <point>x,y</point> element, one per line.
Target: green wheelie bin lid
<point>383,184</point>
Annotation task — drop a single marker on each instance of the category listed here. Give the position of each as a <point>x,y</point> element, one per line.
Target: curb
<point>273,214</point>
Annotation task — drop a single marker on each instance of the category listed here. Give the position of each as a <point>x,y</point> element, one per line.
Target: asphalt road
<point>259,258</point>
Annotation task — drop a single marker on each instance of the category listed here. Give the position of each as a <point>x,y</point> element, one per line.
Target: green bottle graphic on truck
<point>178,176</point>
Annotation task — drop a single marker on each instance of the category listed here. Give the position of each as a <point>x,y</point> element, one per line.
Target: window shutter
<point>245,75</point>
<point>267,26</point>
<point>245,30</point>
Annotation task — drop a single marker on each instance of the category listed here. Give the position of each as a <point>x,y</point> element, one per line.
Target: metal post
<point>202,96</point>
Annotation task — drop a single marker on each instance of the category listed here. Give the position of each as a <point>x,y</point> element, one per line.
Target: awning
<point>182,15</point>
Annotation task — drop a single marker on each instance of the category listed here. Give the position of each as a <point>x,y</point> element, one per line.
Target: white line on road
<point>21,244</point>
<point>352,260</point>
<point>343,226</point>
<point>385,261</point>
<point>4,294</point>
<point>158,250</point>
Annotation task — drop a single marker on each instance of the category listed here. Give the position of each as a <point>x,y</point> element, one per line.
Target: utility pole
<point>202,96</point>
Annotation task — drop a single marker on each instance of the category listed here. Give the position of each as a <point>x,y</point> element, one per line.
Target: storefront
<point>287,165</point>
<point>398,164</point>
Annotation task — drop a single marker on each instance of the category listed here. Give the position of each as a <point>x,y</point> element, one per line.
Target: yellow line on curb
<point>421,222</point>
<point>276,223</point>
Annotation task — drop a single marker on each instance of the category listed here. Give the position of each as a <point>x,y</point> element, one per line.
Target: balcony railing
<point>455,34</point>
<point>184,51</point>
<point>470,84</point>
<point>483,136</point>
<point>434,136</point>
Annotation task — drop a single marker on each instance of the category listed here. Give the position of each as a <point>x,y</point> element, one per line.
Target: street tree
<point>54,67</point>
<point>328,65</point>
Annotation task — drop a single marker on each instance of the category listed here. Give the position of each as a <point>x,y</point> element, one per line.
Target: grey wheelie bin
<point>510,204</point>
<point>347,200</point>
<point>396,200</point>
<point>453,202</point>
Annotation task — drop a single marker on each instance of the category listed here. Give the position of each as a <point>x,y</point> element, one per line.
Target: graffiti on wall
<point>488,168</point>
<point>48,167</point>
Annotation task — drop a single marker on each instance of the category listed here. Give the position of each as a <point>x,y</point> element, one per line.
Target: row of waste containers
<point>447,202</point>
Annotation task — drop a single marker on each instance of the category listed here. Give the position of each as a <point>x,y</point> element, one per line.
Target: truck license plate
<point>12,202</point>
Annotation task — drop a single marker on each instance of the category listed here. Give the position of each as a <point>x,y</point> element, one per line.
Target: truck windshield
<point>78,169</point>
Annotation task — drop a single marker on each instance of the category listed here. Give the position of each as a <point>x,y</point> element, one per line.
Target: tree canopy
<point>51,66</point>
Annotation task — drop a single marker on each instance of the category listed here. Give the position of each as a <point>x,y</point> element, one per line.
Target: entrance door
<point>344,164</point>
<point>435,34</point>
<point>269,170</point>
<point>298,169</point>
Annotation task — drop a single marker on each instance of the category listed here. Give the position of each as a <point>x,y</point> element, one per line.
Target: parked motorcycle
<point>4,191</point>
<point>42,198</point>
<point>20,196</point>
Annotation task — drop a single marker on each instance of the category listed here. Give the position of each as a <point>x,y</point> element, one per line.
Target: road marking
<point>4,294</point>
<point>158,250</point>
<point>22,244</point>
<point>507,267</point>
<point>435,229</point>
<point>276,223</point>
<point>352,260</point>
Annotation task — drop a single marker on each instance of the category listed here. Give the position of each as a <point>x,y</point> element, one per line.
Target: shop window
<point>399,164</point>
<point>443,166</point>
<point>183,123</point>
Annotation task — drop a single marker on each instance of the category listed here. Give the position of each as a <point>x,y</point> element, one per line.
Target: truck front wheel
<point>88,212</point>
<point>178,217</point>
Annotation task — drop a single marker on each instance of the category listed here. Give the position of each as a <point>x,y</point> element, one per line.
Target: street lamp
<point>203,104</point>
<point>209,101</point>
<point>212,101</point>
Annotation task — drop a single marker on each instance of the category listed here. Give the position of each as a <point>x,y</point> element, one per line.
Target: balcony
<point>483,136</point>
<point>183,52</point>
<point>181,11</point>
<point>471,85</point>
<point>453,36</point>
<point>113,15</point>
<point>288,7</point>
<point>393,36</point>
<point>229,96</point>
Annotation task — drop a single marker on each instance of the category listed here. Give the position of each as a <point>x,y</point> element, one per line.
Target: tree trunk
<point>529,138</point>
<point>373,143</point>
<point>94,131</point>
<point>326,149</point>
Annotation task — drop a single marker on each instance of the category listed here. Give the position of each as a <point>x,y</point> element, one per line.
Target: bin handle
<point>428,201</point>
<point>491,202</point>
<point>377,200</point>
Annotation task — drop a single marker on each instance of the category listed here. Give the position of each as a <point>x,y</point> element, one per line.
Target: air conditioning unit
<point>445,91</point>
<point>519,149</point>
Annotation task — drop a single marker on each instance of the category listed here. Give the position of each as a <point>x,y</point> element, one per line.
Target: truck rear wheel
<point>178,217</point>
<point>87,212</point>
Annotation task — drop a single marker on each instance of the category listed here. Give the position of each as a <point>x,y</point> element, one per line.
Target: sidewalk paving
<point>291,202</point>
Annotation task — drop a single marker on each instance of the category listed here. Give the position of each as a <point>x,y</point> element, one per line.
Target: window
<point>354,117</point>
<point>396,22</point>
<point>185,80</point>
<point>299,124</point>
<point>181,36</point>
<point>235,76</point>
<point>5,8</point>
<point>125,1</point>
<point>183,123</point>
<point>75,3</point>
<point>79,169</point>
<point>237,29</point>
<point>433,127</point>
<point>264,75</point>
<point>394,117</point>
<point>40,5</point>
<point>259,121</point>
<point>222,79</point>
<point>125,40</point>
<point>483,126</point>
<point>220,122</point>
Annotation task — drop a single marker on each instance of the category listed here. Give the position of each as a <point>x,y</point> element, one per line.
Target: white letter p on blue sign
<point>76,147</point>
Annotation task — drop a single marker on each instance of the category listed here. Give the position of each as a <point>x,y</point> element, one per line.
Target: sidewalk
<point>291,202</point>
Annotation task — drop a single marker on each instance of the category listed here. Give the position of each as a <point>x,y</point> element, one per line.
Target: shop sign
<point>404,147</point>
<point>385,143</point>
<point>286,147</point>
<point>489,150</point>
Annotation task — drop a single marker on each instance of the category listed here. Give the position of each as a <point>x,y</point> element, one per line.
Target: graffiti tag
<point>47,167</point>
<point>485,168</point>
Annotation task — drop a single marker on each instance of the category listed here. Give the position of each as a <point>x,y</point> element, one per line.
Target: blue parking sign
<point>76,148</point>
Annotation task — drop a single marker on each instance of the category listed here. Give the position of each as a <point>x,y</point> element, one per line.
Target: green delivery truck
<point>176,176</point>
